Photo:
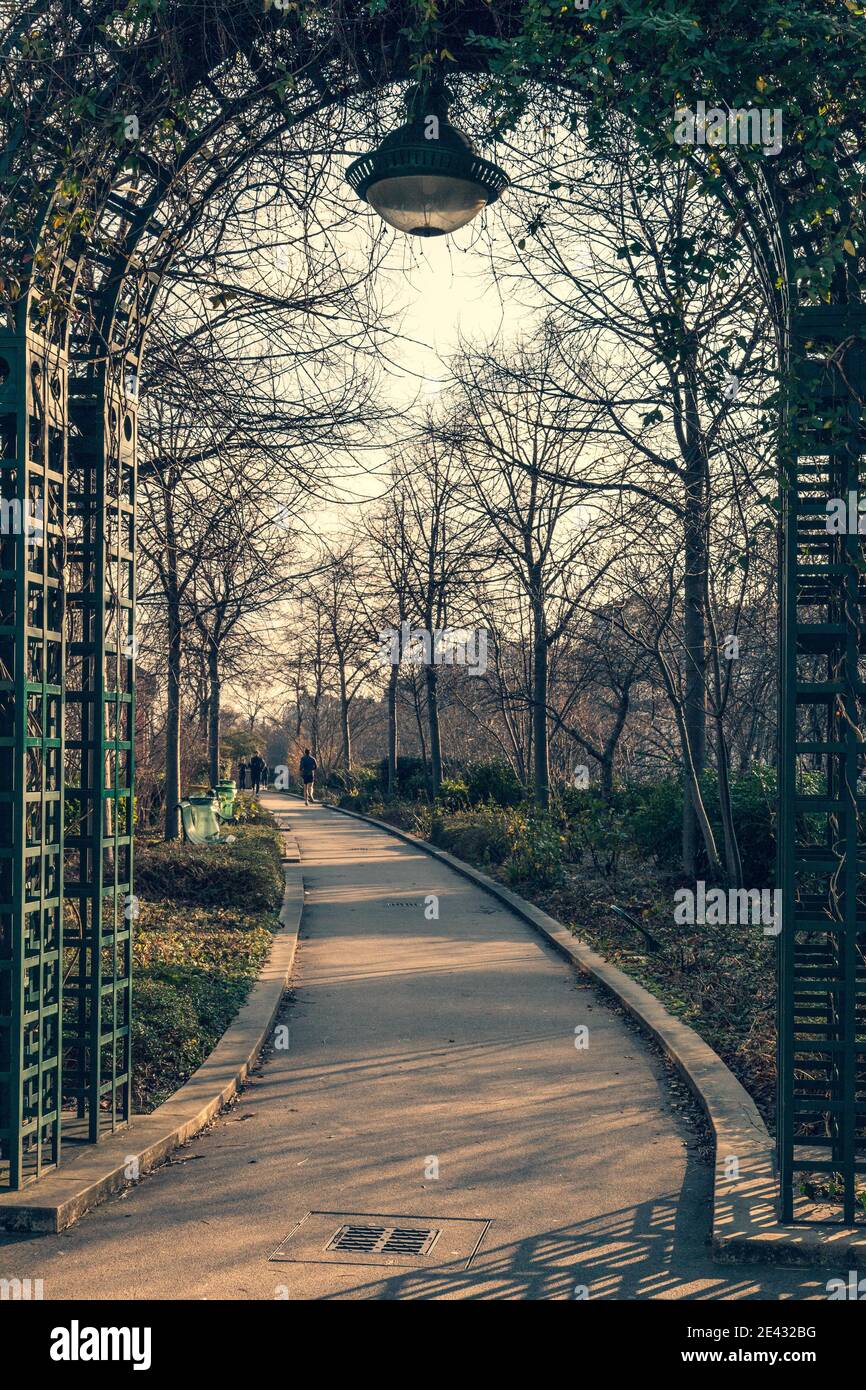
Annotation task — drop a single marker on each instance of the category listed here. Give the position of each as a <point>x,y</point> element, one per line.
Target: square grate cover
<point>373,1238</point>
<point>384,1240</point>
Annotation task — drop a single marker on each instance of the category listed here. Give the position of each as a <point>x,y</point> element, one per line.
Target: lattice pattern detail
<point>32,488</point>
<point>822,1017</point>
<point>100,743</point>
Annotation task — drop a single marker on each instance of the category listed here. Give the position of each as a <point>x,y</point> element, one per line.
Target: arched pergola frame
<point>119,123</point>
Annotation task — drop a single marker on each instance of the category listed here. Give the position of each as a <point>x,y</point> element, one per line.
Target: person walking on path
<point>243,769</point>
<point>257,767</point>
<point>308,776</point>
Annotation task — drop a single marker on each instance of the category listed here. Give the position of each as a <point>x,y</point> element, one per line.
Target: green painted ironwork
<point>100,754</point>
<point>822,979</point>
<point>32,489</point>
<point>67,711</point>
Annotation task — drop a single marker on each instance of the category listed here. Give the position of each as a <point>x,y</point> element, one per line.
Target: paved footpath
<point>420,1044</point>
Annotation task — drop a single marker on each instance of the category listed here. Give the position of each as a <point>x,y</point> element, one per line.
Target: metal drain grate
<point>384,1240</point>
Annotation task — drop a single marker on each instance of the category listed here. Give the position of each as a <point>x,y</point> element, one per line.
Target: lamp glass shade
<point>427,204</point>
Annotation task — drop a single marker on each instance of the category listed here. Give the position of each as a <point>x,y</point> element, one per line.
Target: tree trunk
<point>419,724</point>
<point>607,779</point>
<point>175,650</point>
<point>345,730</point>
<point>213,725</point>
<point>612,743</point>
<point>431,676</point>
<point>733,862</point>
<point>540,748</point>
<point>392,731</point>
<point>692,790</point>
<point>314,728</point>
<point>694,644</point>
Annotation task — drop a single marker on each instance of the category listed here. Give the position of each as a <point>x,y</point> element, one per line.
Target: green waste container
<point>226,792</point>
<point>206,822</point>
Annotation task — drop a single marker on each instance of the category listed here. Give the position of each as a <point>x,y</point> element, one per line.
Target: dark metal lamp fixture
<point>426,178</point>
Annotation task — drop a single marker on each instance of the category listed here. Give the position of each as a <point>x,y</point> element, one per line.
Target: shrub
<point>753,805</point>
<point>479,836</point>
<point>494,781</point>
<point>402,814</point>
<point>247,872</point>
<point>248,811</point>
<point>166,1038</point>
<point>205,926</point>
<point>179,1015</point>
<point>365,781</point>
<point>453,794</point>
<point>653,814</point>
<point>412,778</point>
<point>535,844</point>
<point>655,819</point>
<point>594,829</point>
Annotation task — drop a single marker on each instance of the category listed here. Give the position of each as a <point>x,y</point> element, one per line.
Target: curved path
<point>422,1045</point>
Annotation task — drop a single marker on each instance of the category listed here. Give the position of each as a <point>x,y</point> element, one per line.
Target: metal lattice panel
<point>32,488</point>
<point>100,742</point>
<point>822,1012</point>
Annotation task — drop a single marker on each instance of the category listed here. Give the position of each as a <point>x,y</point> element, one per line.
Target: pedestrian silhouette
<point>257,769</point>
<point>308,775</point>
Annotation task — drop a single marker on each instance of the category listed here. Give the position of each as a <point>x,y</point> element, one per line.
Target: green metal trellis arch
<point>84,247</point>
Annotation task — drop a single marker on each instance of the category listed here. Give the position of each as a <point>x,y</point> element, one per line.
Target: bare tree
<point>681,360</point>
<point>520,441</point>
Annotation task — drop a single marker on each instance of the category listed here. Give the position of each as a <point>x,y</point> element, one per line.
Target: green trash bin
<point>226,792</point>
<point>206,822</point>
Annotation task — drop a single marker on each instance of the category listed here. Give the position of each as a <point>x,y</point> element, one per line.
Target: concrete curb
<point>746,1228</point>
<point>96,1172</point>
